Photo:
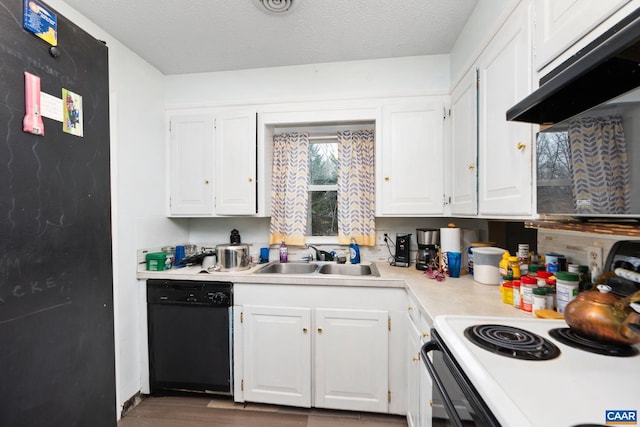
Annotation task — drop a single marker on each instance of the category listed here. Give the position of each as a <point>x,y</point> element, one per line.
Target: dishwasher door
<point>189,337</point>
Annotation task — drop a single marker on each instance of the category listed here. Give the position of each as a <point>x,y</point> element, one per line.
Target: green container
<point>157,261</point>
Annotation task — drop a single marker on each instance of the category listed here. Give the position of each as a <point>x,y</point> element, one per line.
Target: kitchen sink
<point>349,269</point>
<point>288,268</point>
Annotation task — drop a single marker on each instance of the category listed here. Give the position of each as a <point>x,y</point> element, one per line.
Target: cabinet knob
<point>410,308</point>
<point>471,166</point>
<point>250,179</point>
<point>386,178</point>
<point>206,181</point>
<point>521,146</point>
<point>305,330</point>
<point>430,402</point>
<point>425,334</point>
<point>416,358</point>
<point>319,330</point>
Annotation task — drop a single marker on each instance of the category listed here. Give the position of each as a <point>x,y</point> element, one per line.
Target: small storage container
<point>485,265</point>
<point>158,261</point>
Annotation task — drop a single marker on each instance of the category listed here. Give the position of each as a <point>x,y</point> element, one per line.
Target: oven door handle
<point>448,403</point>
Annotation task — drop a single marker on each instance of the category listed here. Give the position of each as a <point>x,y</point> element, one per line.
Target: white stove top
<point>575,388</point>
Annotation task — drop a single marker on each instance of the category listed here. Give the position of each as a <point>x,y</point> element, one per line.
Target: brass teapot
<point>601,316</point>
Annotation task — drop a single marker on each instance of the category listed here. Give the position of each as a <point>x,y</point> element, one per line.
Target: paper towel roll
<point>450,240</point>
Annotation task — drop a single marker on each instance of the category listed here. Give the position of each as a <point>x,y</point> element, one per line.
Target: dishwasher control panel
<point>219,294</point>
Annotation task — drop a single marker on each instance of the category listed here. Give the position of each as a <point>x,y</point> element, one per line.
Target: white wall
<point>138,171</point>
<point>393,77</point>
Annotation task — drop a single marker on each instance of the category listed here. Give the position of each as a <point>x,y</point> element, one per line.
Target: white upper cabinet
<point>561,23</point>
<point>411,156</point>
<point>505,148</point>
<point>463,176</point>
<point>191,165</point>
<point>235,165</point>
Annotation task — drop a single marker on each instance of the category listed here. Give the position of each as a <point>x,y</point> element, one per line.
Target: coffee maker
<point>428,241</point>
<point>403,245</point>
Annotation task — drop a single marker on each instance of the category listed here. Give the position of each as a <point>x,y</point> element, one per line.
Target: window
<point>323,188</point>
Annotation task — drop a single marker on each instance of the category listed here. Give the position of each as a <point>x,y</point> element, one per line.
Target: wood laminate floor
<point>196,411</point>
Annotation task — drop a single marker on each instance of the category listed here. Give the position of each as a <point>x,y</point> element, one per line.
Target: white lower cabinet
<point>350,357</point>
<point>277,355</point>
<point>419,383</point>
<point>320,346</point>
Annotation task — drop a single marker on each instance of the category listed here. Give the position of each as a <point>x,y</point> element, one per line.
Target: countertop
<point>459,296</point>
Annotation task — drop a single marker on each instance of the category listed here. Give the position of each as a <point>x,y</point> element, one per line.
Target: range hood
<point>604,69</point>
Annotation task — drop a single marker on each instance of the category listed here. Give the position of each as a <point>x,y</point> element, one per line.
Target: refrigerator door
<point>56,280</point>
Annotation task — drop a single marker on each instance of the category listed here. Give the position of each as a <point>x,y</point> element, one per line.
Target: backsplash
<point>576,245</point>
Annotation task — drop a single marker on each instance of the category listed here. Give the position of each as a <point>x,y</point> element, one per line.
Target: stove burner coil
<point>512,342</point>
<point>571,338</point>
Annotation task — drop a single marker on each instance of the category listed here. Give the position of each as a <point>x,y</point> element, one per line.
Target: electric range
<point>568,387</point>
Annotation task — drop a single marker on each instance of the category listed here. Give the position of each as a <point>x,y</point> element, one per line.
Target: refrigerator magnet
<point>39,20</point>
<point>72,113</point>
<point>32,122</point>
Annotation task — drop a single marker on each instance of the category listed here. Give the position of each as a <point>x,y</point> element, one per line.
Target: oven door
<point>462,403</point>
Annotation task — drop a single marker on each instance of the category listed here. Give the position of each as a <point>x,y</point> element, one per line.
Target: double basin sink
<point>313,268</point>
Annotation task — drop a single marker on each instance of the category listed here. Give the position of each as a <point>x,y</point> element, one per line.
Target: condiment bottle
<point>513,267</point>
<point>516,293</point>
<point>507,292</point>
<point>527,284</point>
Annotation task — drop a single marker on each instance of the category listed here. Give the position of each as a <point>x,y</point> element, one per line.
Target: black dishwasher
<point>190,334</point>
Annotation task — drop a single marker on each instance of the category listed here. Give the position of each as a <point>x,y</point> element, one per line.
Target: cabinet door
<point>464,146</point>
<point>413,376</point>
<point>505,148</point>
<point>560,23</point>
<point>351,359</point>
<point>412,159</point>
<point>191,165</point>
<point>236,162</point>
<point>277,355</point>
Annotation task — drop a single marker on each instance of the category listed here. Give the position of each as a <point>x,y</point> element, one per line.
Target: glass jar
<point>527,285</point>
<point>516,293</point>
<point>513,268</point>
<point>539,299</point>
<point>507,292</point>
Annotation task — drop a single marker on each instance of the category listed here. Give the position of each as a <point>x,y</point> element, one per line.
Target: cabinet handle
<point>521,146</point>
<point>471,167</point>
<point>319,330</point>
<point>305,330</point>
<point>386,178</point>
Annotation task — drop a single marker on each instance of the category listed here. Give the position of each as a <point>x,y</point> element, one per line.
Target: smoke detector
<point>277,7</point>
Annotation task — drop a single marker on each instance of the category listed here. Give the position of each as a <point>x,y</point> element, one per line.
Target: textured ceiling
<point>189,36</point>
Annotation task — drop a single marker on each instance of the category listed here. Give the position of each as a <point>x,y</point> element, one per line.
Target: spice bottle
<point>516,293</point>
<point>539,299</point>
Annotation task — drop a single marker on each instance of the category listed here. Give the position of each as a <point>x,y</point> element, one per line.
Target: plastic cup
<point>264,255</point>
<point>453,263</point>
<point>180,254</point>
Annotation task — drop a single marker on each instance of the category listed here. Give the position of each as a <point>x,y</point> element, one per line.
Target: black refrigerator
<point>56,279</point>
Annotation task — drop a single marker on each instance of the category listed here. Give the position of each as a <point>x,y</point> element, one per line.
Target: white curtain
<point>289,197</point>
<point>356,187</point>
